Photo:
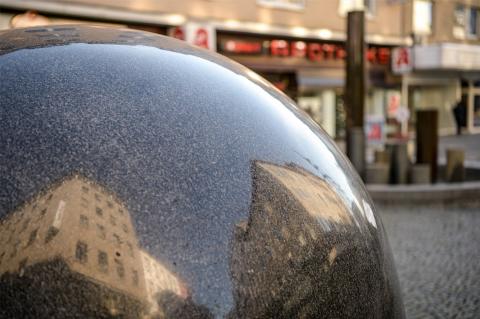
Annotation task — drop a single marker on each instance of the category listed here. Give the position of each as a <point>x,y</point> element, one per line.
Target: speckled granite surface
<point>141,177</point>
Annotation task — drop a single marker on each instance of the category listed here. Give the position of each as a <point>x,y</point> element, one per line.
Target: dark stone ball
<point>144,178</point>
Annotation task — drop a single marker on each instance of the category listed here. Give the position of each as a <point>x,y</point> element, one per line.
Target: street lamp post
<point>355,89</point>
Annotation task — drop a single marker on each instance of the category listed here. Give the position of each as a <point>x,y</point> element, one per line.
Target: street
<point>436,252</point>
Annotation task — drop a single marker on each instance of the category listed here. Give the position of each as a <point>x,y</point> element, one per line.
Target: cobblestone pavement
<point>437,253</point>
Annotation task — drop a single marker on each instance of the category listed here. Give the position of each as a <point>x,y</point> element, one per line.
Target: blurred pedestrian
<point>460,113</point>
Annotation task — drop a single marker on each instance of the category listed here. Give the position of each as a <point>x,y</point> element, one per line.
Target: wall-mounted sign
<point>200,34</point>
<point>402,60</point>
<point>313,51</point>
<point>375,129</point>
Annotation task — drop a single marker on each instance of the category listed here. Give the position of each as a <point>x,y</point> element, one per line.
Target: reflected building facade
<point>293,256</point>
<point>75,244</point>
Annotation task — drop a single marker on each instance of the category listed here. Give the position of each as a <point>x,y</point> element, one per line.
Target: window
<point>125,228</point>
<point>43,212</point>
<point>130,249</point>
<point>465,22</point>
<point>472,27</point>
<point>15,249</point>
<point>81,252</point>
<point>109,204</point>
<point>422,17</point>
<point>103,261</point>
<point>120,269</point>
<point>101,231</point>
<point>85,189</point>
<point>120,211</point>
<point>99,211</point>
<point>52,232</point>
<point>135,277</point>
<point>84,221</point>
<point>25,224</point>
<point>113,220</point>
<point>98,197</point>
<point>33,236</point>
<point>283,4</point>
<point>117,239</point>
<point>345,6</point>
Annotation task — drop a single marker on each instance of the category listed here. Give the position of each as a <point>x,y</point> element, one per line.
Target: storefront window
<point>422,17</point>
<point>348,5</point>
<point>476,111</point>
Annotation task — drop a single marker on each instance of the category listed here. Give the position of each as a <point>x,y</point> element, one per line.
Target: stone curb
<point>458,194</point>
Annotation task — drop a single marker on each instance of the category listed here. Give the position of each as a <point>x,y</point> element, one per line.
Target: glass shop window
<point>81,252</point>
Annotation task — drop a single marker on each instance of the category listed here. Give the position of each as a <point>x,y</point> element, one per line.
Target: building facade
<point>298,45</point>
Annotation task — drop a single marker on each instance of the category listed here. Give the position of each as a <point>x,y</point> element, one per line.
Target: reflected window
<point>101,232</point>
<point>15,249</point>
<point>22,265</point>
<point>117,239</point>
<point>130,249</point>
<point>81,252</point>
<point>135,277</point>
<point>103,261</point>
<point>51,233</point>
<point>120,269</point>
<point>99,211</point>
<point>113,220</point>
<point>33,236</point>
<point>84,221</point>
<point>25,224</point>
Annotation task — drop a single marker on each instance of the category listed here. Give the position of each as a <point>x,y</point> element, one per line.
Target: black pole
<point>355,89</point>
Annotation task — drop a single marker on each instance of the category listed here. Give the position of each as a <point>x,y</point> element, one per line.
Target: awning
<point>321,78</point>
<point>447,56</point>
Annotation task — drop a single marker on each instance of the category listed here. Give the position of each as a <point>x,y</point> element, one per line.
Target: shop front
<point>312,72</point>
<point>446,77</point>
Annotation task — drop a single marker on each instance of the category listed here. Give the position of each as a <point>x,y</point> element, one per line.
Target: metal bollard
<point>420,174</point>
<point>455,171</point>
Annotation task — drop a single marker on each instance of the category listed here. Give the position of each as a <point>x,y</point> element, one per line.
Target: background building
<point>299,46</point>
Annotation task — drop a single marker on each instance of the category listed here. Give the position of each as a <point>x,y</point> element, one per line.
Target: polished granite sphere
<point>145,178</point>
